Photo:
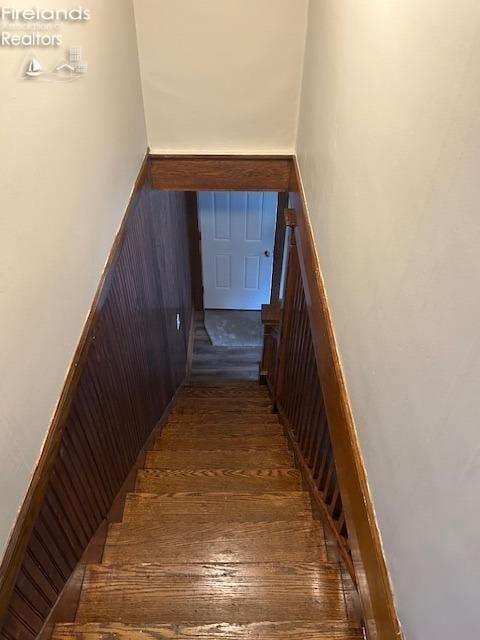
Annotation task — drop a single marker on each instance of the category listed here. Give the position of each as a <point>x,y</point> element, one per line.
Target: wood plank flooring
<point>218,540</point>
<point>236,363</point>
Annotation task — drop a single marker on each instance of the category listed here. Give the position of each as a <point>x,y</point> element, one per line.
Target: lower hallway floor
<point>225,363</point>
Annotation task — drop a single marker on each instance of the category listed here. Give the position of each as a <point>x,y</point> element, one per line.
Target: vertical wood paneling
<point>135,360</point>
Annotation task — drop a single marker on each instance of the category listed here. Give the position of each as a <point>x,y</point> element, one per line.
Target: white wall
<point>221,76</point>
<point>70,154</point>
<point>389,149</point>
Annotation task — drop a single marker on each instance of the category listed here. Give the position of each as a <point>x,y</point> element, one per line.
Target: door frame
<point>196,247</point>
<point>193,173</point>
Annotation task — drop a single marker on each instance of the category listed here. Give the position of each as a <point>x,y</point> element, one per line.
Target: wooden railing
<point>289,368</point>
<point>271,339</point>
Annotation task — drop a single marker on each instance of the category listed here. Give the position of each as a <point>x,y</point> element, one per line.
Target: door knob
<point>267,253</point>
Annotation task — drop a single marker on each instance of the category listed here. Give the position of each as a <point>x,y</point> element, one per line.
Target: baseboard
<point>22,529</point>
<point>364,537</point>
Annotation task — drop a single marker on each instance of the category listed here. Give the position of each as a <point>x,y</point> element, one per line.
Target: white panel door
<point>238,234</point>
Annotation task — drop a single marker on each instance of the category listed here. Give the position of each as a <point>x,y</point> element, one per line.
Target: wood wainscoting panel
<point>217,173</point>
<point>363,535</point>
<point>130,361</point>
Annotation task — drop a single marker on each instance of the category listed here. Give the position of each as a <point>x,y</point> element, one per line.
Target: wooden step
<point>185,440</point>
<point>198,480</point>
<point>211,593</point>
<point>224,429</point>
<point>222,418</point>
<point>221,383</point>
<point>217,507</point>
<point>296,630</point>
<point>212,405</point>
<point>226,391</point>
<point>217,459</point>
<point>234,418</point>
<point>292,541</point>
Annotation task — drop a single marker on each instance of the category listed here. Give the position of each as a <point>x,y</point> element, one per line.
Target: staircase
<point>219,540</point>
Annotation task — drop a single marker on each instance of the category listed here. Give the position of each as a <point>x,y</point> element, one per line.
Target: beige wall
<point>389,149</point>
<point>221,76</point>
<point>69,157</point>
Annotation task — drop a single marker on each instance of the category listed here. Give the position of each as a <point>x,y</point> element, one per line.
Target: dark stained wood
<point>271,314</point>
<point>217,459</point>
<point>282,541</point>
<point>375,589</point>
<point>67,602</point>
<point>217,507</point>
<point>207,480</point>
<point>18,542</point>
<point>280,232</point>
<point>254,631</point>
<point>290,216</point>
<point>208,593</point>
<point>228,173</point>
<point>129,363</point>
<point>194,241</point>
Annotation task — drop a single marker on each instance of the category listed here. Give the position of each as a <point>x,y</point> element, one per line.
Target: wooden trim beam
<point>221,173</point>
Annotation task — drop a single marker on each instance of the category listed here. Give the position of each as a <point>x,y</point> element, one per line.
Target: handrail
<point>291,375</point>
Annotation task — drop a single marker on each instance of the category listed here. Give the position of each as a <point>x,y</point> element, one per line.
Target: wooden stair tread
<point>228,442</point>
<point>160,541</point>
<point>222,382</point>
<point>224,429</point>
<point>217,459</point>
<point>227,391</point>
<point>213,404</point>
<point>196,480</point>
<point>222,417</point>
<point>217,507</point>
<point>209,593</point>
<point>295,630</point>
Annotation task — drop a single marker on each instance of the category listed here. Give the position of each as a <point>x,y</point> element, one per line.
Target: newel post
<point>286,307</point>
